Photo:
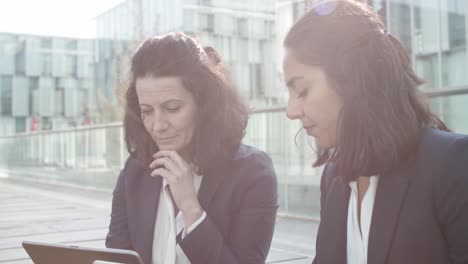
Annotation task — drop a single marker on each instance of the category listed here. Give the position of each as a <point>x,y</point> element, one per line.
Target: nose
<point>160,122</point>
<point>294,109</point>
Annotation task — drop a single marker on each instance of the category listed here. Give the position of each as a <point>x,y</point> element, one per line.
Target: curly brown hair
<point>222,113</point>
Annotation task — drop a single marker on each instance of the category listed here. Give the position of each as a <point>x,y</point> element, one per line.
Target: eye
<point>303,93</point>
<point>172,109</point>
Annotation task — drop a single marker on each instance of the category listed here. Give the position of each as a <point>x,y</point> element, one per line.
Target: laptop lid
<point>46,253</point>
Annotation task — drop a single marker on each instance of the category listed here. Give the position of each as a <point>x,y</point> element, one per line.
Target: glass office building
<point>242,31</point>
<point>44,77</point>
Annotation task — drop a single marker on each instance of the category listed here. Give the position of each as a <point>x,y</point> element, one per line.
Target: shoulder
<point>438,138</point>
<point>246,152</point>
<point>252,174</point>
<point>249,165</point>
<point>251,157</point>
<point>132,167</point>
<point>445,156</point>
<point>438,146</point>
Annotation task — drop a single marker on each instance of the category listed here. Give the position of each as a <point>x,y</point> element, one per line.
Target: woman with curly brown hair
<point>190,192</point>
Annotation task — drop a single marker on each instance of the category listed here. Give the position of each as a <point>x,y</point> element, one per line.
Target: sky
<point>68,18</point>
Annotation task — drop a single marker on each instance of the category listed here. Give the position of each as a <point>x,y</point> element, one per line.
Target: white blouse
<point>358,235</point>
<point>165,248</point>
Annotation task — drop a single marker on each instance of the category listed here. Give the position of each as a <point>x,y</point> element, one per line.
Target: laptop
<point>46,253</point>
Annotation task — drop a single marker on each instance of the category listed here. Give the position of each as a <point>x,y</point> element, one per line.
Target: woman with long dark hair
<point>395,183</point>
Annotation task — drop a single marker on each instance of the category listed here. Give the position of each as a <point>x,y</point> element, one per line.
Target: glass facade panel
<point>6,84</point>
<point>427,41</point>
<point>454,55</point>
<point>46,64</point>
<point>453,111</point>
<point>20,125</point>
<point>399,19</point>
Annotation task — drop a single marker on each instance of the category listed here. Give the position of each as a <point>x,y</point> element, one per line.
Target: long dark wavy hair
<point>384,114</point>
<point>222,114</point>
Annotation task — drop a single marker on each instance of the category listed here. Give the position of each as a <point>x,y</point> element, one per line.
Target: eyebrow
<point>165,102</point>
<point>147,105</point>
<point>178,101</point>
<point>290,82</point>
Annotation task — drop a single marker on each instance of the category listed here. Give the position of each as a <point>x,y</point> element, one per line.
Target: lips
<point>165,139</point>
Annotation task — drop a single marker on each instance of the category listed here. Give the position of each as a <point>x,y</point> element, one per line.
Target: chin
<point>167,147</point>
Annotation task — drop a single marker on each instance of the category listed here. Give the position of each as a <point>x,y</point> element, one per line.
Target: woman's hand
<point>179,175</point>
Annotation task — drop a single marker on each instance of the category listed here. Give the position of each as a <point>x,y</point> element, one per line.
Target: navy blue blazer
<point>420,211</point>
<point>240,199</point>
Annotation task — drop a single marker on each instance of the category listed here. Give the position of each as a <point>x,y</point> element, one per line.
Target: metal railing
<point>92,156</point>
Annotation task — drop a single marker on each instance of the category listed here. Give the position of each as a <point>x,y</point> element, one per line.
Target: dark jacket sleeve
<point>118,235</point>
<point>251,229</point>
<point>451,198</point>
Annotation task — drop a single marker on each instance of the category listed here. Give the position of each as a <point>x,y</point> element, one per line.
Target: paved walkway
<point>80,217</point>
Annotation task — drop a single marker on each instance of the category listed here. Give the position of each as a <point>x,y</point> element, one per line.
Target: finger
<point>158,155</point>
<point>162,153</point>
<point>158,162</point>
<point>168,164</point>
<point>167,175</point>
<point>153,165</point>
<point>174,156</point>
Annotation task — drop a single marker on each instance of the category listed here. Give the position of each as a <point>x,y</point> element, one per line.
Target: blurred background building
<point>59,82</point>
<point>45,82</point>
<point>242,31</point>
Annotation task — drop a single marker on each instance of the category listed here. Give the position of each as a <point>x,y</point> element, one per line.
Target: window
<point>206,22</point>
<point>257,88</point>
<point>242,28</point>
<point>46,43</point>
<point>46,123</point>
<point>59,101</point>
<point>71,45</point>
<point>20,125</point>
<point>70,66</point>
<point>20,57</point>
<point>457,29</point>
<point>33,86</point>
<point>46,64</point>
<point>6,95</point>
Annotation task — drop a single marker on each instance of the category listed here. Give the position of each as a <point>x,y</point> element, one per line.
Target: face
<point>312,100</point>
<point>168,111</point>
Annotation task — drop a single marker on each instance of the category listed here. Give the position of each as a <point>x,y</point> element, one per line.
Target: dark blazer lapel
<point>391,192</point>
<point>208,187</point>
<point>333,223</point>
<point>147,207</point>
